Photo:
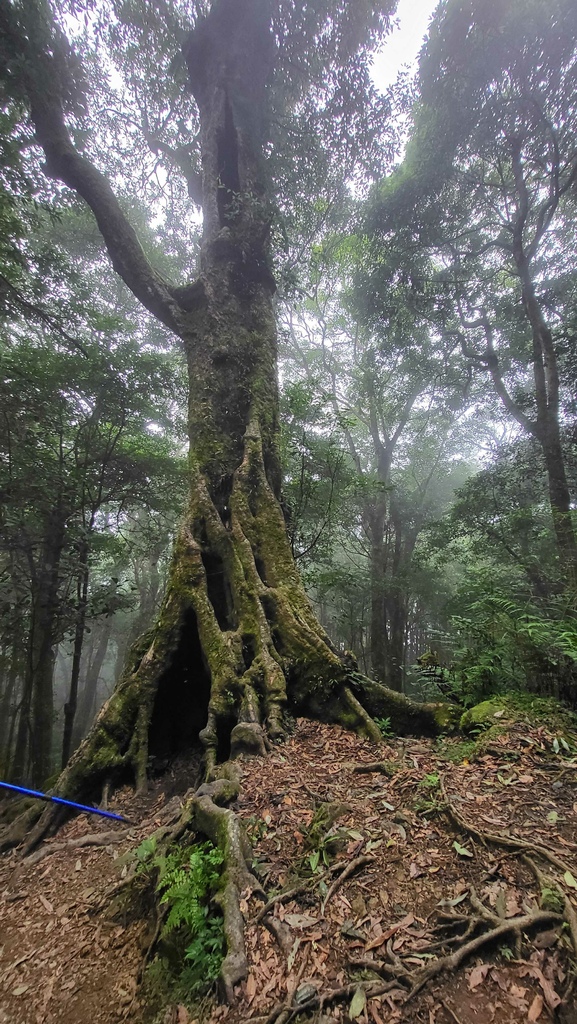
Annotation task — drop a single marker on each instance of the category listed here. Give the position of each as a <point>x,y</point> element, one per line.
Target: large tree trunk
<point>236,642</point>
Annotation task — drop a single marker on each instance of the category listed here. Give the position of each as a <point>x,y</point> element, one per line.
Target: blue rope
<point>60,800</point>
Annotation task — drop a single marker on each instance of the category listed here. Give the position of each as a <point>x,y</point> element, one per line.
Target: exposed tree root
<point>237,637</point>
<point>283,1013</point>
<point>415,980</point>
<point>571,918</point>
<point>508,842</point>
<point>380,767</point>
<point>350,869</point>
<point>98,839</point>
<point>281,932</point>
<point>514,925</point>
<point>545,882</point>
<point>206,812</point>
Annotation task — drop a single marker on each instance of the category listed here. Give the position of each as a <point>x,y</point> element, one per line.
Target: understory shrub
<point>191,941</point>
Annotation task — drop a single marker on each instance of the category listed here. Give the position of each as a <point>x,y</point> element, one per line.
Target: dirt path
<point>60,961</point>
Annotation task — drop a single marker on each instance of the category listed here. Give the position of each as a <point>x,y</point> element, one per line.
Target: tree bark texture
<point>35,722</point>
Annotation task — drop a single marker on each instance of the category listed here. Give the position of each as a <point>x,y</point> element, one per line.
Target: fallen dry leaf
<point>45,903</point>
<point>535,1009</point>
<point>250,988</point>
<point>551,997</point>
<point>301,920</point>
<point>415,871</point>
<point>478,975</point>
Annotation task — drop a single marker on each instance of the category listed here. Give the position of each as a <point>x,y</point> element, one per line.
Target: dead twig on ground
<point>380,767</point>
<point>451,1012</point>
<point>296,890</point>
<point>350,869</point>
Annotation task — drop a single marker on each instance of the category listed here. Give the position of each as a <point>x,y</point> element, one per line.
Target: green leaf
<point>146,849</point>
<point>570,880</point>
<point>314,860</point>
<point>461,850</point>
<point>358,1003</point>
<point>553,817</point>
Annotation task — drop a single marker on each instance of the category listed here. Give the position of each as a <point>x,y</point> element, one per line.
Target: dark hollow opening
<point>181,703</point>
<point>229,181</point>
<point>224,727</point>
<point>248,650</point>
<point>221,497</point>
<point>259,564</point>
<point>268,606</point>
<point>219,592</point>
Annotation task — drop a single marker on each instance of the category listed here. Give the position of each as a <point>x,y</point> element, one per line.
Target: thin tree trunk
<point>546,376</point>
<point>71,704</point>
<point>6,714</point>
<point>19,765</point>
<point>34,734</point>
<point>88,695</point>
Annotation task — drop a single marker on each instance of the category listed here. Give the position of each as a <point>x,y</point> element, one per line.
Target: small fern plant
<point>187,887</point>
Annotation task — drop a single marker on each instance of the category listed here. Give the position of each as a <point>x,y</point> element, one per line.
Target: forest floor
<point>425,881</point>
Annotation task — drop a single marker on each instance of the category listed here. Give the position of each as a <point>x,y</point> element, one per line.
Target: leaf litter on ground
<point>420,865</point>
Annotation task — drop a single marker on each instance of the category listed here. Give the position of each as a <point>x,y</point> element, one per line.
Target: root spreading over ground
<point>380,884</point>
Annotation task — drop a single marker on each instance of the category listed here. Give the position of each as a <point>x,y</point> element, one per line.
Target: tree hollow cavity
<point>219,592</point>
<point>181,703</point>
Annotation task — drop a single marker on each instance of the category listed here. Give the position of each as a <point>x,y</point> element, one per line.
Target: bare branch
<point>41,81</point>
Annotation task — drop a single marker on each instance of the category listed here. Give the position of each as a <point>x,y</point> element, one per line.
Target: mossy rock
<point>504,709</point>
<point>482,716</point>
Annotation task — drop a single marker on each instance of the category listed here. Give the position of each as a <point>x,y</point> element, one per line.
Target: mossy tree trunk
<point>236,641</point>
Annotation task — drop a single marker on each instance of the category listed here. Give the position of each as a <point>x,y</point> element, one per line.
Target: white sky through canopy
<point>403,44</point>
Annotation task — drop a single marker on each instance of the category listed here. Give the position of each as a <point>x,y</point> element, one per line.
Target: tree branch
<point>22,304</point>
<point>40,78</point>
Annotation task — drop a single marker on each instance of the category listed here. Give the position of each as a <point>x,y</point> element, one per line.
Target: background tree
<point>391,396</point>
<point>490,173</point>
